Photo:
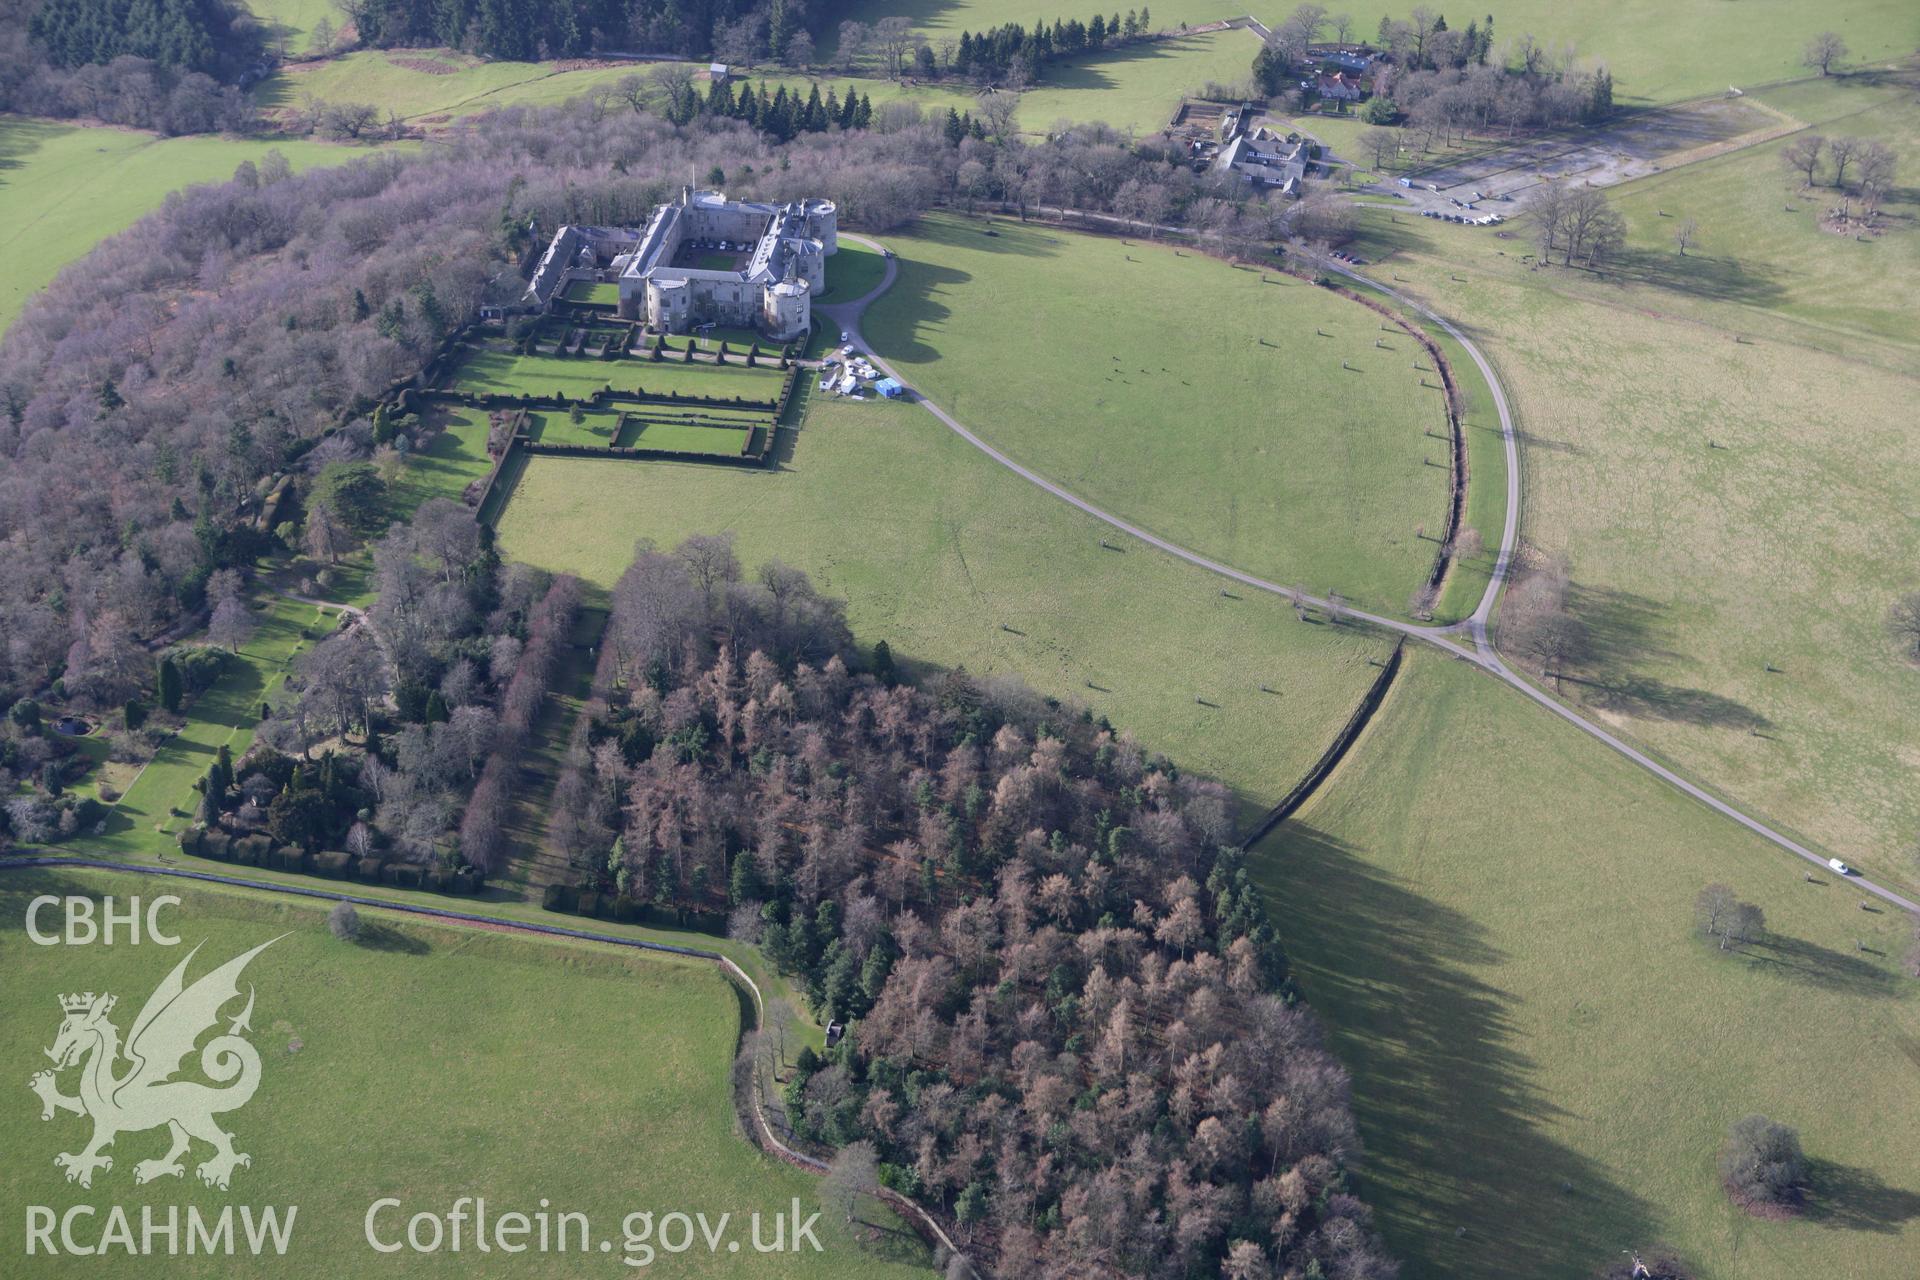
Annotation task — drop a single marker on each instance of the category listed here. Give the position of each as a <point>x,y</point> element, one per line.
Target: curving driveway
<point>1474,627</point>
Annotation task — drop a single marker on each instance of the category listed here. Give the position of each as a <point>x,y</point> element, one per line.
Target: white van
<point>1840,866</point>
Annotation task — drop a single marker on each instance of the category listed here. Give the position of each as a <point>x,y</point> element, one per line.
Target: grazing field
<point>852,272</point>
<point>162,799</point>
<point>1762,260</point>
<point>504,373</point>
<point>954,561</point>
<point>1245,414</point>
<point>423,84</point>
<point>428,1063</point>
<point>436,86</point>
<point>291,22</point>
<point>1136,88</point>
<point>1494,914</point>
<point>1715,470</point>
<point>1658,52</point>
<point>64,188</point>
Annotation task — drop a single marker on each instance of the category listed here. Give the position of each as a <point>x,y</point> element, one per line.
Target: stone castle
<point>703,259</point>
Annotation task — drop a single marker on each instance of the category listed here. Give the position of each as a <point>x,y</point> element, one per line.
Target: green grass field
<point>422,84</point>
<point>1761,254</point>
<point>1712,461</point>
<point>1493,913</point>
<point>503,373</point>
<point>1136,89</point>
<point>677,437</point>
<point>590,291</point>
<point>1658,52</point>
<point>1245,414</point>
<point>852,272</point>
<point>952,560</point>
<point>560,428</point>
<point>292,21</point>
<point>64,188</point>
<point>517,1070</point>
<point>451,461</point>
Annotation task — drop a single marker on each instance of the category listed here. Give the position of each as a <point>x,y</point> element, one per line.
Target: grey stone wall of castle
<point>785,246</point>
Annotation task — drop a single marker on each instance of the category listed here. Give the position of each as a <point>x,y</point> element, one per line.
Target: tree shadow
<point>1818,966</point>
<point>1848,1199</point>
<point>1700,275</point>
<point>375,936</point>
<point>915,294</point>
<point>1622,631</point>
<point>1454,1125</point>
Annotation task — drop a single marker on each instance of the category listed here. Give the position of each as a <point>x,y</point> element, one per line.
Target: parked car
<point>1840,866</point>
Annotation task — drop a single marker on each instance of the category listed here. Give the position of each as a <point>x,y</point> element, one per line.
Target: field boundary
<point>1336,751</point>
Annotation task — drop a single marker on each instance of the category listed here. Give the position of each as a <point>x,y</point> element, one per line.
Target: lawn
<point>592,291</point>
<point>1493,913</point>
<point>145,819</point>
<point>577,377</point>
<point>452,460</point>
<point>852,272</point>
<point>64,188</point>
<point>528,1073</point>
<point>952,560</point>
<point>1245,414</point>
<point>1137,88</point>
<point>679,437</point>
<point>560,428</point>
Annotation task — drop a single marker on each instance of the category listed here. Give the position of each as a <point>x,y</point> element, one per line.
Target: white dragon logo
<point>145,1096</point>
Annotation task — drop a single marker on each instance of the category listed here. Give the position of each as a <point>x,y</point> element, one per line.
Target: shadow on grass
<point>1848,1199</point>
<point>895,322</point>
<point>1623,630</point>
<point>380,937</point>
<point>1822,967</point>
<point>1452,1120</point>
<point>1717,279</point>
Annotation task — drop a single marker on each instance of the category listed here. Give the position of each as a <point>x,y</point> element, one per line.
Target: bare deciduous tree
<point>1823,51</point>
<point>1843,152</point>
<point>1803,154</point>
<point>853,1172</point>
<point>1685,234</point>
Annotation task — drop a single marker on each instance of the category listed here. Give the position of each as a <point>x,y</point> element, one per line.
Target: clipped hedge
<point>215,843</point>
<point>252,851</point>
<point>335,864</point>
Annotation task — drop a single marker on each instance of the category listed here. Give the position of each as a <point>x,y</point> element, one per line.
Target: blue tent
<point>890,387</point>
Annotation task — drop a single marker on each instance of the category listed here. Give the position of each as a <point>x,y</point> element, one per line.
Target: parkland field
<point>528,1072</point>
<point>1495,914</point>
<point>1241,412</point>
<point>1705,443</point>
